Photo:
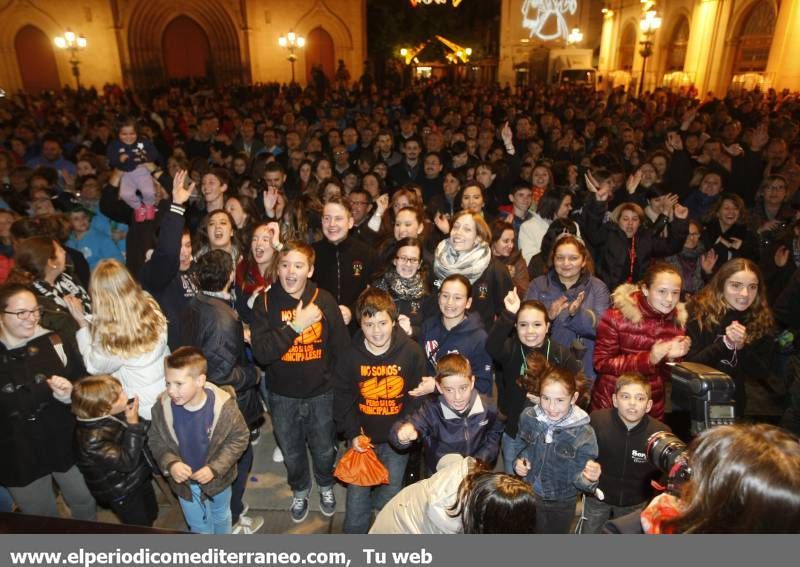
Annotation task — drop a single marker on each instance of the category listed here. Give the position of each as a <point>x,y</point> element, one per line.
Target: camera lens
<point>664,450</point>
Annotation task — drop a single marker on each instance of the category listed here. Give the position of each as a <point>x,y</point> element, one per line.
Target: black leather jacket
<point>111,457</point>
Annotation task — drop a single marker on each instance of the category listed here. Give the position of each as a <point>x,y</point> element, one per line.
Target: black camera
<point>706,393</point>
<point>668,454</point>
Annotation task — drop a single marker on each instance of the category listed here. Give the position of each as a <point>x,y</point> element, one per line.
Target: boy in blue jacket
<point>459,420</point>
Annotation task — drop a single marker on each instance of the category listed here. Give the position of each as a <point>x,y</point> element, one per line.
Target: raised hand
<point>680,212</point>
<point>633,181</point>
<point>601,190</point>
<point>506,134</point>
<point>668,205</point>
<point>405,323</point>
<point>270,198</point>
<point>512,301</point>
<point>274,231</point>
<point>442,222</point>
<point>674,141</point>
<point>782,256</point>
<point>382,204</point>
<point>180,191</point>
<point>347,315</point>
<point>708,261</point>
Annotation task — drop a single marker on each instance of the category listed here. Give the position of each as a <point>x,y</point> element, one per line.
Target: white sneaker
<point>277,455</point>
<point>247,525</point>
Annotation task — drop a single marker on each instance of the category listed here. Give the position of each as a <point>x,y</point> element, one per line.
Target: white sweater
<point>142,375</point>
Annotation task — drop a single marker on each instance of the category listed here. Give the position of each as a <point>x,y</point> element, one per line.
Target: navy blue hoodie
<point>468,339</point>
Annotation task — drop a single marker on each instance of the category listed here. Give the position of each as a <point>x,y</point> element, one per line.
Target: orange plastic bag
<point>361,469</point>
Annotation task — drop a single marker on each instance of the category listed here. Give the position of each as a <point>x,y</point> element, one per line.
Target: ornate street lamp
<point>73,44</point>
<point>292,41</point>
<point>649,24</point>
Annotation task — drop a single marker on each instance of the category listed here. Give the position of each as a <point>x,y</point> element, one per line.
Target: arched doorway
<point>677,45</point>
<point>37,62</point>
<point>627,48</point>
<point>186,49</point>
<point>320,51</point>
<point>755,39</point>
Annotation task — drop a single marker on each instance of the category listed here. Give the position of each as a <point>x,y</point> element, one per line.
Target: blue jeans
<point>301,423</point>
<point>510,449</point>
<point>597,513</point>
<point>208,515</point>
<point>362,500</point>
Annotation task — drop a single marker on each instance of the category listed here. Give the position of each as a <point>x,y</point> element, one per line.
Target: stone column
<point>783,65</point>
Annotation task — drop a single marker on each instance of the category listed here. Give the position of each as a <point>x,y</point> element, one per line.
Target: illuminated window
<point>757,28</point>
<point>678,43</point>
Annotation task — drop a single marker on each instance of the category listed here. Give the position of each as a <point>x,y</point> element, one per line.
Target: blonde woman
<point>126,334</point>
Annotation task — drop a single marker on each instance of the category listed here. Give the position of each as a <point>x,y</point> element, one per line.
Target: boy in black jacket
<point>297,332</point>
<point>622,434</point>
<point>373,378</point>
<point>345,265</point>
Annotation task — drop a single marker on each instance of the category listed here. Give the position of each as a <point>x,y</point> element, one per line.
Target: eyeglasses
<point>407,260</point>
<point>27,314</point>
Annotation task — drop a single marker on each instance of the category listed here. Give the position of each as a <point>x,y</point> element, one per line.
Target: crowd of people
<point>456,272</point>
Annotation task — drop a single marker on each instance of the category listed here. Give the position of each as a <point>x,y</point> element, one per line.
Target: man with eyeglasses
<point>341,160</point>
<point>361,205</point>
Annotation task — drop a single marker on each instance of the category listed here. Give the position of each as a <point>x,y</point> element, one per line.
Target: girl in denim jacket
<point>556,445</point>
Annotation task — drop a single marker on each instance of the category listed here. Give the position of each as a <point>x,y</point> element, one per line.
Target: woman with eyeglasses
<point>37,369</point>
<point>732,329</point>
<point>406,280</point>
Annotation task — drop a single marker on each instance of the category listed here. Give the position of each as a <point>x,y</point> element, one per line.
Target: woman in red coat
<point>641,332</point>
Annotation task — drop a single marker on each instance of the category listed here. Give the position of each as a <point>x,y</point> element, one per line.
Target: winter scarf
<point>400,287</point>
<point>63,286</point>
<point>574,418</point>
<point>470,264</point>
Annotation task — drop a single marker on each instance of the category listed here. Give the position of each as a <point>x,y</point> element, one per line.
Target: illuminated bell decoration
<point>538,14</point>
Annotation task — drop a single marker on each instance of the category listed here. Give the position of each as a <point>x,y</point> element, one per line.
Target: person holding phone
<point>111,439</point>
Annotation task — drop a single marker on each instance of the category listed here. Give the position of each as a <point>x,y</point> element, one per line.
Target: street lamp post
<point>73,44</point>
<point>292,41</point>
<point>648,24</point>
